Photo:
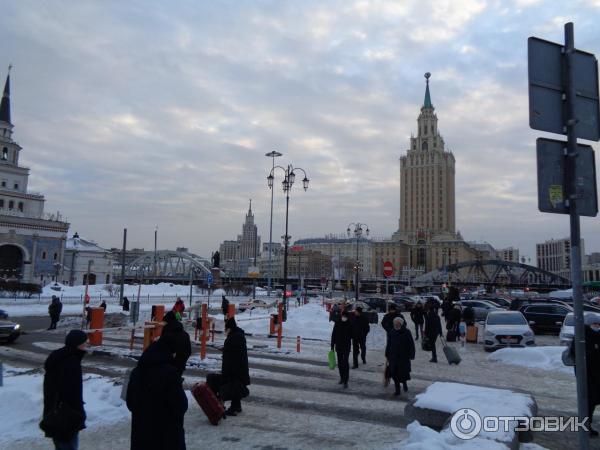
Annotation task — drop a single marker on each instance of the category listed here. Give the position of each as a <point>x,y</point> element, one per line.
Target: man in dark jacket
<point>399,351</point>
<point>234,369</point>
<point>341,338</point>
<point>453,317</point>
<point>54,311</point>
<point>224,306</point>
<point>63,386</point>
<point>157,401</point>
<point>388,319</point>
<point>125,304</point>
<point>360,330</point>
<point>592,360</point>
<point>178,339</point>
<point>417,315</point>
<point>468,315</point>
<point>433,329</point>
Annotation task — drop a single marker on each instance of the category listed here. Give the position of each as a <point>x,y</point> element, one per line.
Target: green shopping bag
<point>331,359</point>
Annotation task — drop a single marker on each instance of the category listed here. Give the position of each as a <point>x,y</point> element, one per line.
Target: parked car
<point>546,316</point>
<point>567,331</point>
<point>252,304</point>
<point>499,301</point>
<point>404,302</point>
<point>507,329</point>
<point>3,314</point>
<point>428,297</point>
<point>481,307</point>
<point>9,331</point>
<point>377,303</point>
<point>369,312</point>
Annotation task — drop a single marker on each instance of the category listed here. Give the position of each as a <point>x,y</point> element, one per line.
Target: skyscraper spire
<point>250,208</point>
<point>427,102</point>
<point>5,103</point>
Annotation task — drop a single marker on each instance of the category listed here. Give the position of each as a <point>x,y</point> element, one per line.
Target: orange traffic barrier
<point>272,325</point>
<point>231,311</point>
<point>298,344</point>
<point>279,325</point>
<point>204,327</point>
<point>97,315</point>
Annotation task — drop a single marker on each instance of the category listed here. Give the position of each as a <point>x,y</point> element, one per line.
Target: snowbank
<point>424,438</point>
<point>21,404</point>
<point>544,358</point>
<point>487,402</point>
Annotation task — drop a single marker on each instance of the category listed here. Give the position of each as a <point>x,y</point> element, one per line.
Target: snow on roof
<point>77,243</point>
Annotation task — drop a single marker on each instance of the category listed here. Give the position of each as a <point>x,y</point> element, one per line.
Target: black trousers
<point>418,326</point>
<point>215,383</point>
<point>433,349</point>
<point>53,322</point>
<point>343,364</point>
<point>359,345</point>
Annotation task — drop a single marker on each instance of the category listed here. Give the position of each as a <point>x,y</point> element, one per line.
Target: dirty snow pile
<point>544,358</point>
<point>21,404</point>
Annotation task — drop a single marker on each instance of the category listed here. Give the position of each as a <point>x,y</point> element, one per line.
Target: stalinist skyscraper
<point>427,205</point>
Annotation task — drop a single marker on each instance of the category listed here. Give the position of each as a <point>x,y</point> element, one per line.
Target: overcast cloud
<point>143,113</point>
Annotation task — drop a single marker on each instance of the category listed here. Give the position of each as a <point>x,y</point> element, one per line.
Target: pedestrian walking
<point>360,330</point>
<point>224,307</point>
<point>103,305</point>
<point>417,315</point>
<point>334,314</point>
<point>178,308</point>
<point>453,318</point>
<point>446,307</point>
<point>234,369</point>
<point>400,351</point>
<point>125,304</point>
<point>64,414</point>
<point>54,310</point>
<point>178,339</point>
<point>157,401</point>
<point>341,338</point>
<point>433,329</point>
<point>388,319</point>
<point>468,316</point>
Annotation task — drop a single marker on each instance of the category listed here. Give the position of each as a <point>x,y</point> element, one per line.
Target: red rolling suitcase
<point>209,403</point>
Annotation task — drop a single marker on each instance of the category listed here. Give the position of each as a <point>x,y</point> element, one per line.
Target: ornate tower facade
<point>427,202</point>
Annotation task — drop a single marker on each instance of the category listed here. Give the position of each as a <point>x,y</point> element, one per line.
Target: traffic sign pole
<point>571,185</point>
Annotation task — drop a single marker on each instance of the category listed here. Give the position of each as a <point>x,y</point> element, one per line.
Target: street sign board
<point>388,269</point>
<point>547,100</point>
<point>551,184</point>
<point>209,278</point>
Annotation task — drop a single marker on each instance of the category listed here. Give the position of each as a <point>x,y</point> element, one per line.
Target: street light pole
<point>358,231</point>
<point>272,155</point>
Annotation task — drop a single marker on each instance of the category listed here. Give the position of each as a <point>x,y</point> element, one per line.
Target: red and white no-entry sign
<point>388,269</point>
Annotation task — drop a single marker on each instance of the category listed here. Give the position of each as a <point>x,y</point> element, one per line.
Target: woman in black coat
<point>234,369</point>
<point>178,339</point>
<point>157,401</point>
<point>63,384</point>
<point>341,339</point>
<point>433,329</point>
<point>399,351</point>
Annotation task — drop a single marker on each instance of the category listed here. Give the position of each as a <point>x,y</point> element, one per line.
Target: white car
<point>252,304</point>
<point>567,330</point>
<point>507,329</point>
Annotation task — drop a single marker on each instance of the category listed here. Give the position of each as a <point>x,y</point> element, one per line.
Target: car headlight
<point>528,333</point>
<point>17,326</point>
<point>488,334</point>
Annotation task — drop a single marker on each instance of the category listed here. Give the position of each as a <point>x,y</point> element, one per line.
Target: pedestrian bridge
<point>168,265</point>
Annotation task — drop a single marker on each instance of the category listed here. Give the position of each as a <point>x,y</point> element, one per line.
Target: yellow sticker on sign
<point>555,191</point>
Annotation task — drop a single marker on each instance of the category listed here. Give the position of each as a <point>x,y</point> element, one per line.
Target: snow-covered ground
<point>544,358</point>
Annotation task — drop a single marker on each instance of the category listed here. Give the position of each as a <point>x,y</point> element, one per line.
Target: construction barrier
<point>97,322</point>
<point>231,311</point>
<point>272,329</point>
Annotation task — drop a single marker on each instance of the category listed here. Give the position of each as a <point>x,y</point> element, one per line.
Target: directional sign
<point>388,269</point>
<point>551,187</point>
<point>209,278</point>
<point>547,88</point>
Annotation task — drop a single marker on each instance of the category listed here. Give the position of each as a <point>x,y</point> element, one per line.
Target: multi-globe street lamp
<point>358,231</point>
<point>287,183</point>
<point>271,155</point>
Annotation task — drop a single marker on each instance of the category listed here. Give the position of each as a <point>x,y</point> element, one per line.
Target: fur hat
<point>75,338</point>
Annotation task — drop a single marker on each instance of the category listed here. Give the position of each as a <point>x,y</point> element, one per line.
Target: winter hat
<point>170,317</point>
<point>230,323</point>
<point>75,338</point>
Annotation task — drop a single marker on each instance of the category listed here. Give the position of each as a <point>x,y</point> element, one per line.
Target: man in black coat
<point>388,319</point>
<point>234,369</point>
<point>54,311</point>
<point>453,317</point>
<point>224,306</point>
<point>341,338</point>
<point>417,315</point>
<point>468,315</point>
<point>433,329</point>
<point>63,385</point>
<point>178,339</point>
<point>360,330</point>
<point>399,351</point>
<point>592,360</point>
<point>157,401</point>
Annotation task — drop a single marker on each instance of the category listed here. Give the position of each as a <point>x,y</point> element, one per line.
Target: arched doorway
<point>92,278</point>
<point>11,261</point>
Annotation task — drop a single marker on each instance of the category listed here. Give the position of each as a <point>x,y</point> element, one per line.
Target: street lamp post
<point>358,231</point>
<point>287,183</point>
<point>271,155</point>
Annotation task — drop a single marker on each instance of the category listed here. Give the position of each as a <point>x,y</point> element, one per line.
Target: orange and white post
<point>204,331</point>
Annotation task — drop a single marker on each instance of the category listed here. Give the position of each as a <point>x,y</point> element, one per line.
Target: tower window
<point>55,256</point>
<point>1,203</point>
<point>4,154</point>
<point>16,185</point>
<point>424,145</point>
<point>21,206</point>
<point>3,183</point>
<point>11,204</point>
<point>44,255</point>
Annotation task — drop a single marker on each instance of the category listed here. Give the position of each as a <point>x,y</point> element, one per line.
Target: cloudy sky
<point>146,113</point>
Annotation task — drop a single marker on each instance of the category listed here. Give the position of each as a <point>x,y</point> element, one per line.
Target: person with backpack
<point>64,415</point>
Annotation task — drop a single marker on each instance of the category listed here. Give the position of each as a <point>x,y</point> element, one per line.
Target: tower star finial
<point>427,103</point>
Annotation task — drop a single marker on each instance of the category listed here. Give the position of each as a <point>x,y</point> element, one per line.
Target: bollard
<point>204,327</point>
<point>231,311</point>
<point>297,344</point>
<point>97,321</point>
<point>279,325</point>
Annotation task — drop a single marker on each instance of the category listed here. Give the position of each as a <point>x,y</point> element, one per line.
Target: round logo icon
<point>465,424</point>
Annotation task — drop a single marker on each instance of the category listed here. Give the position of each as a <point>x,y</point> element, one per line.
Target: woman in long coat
<point>400,350</point>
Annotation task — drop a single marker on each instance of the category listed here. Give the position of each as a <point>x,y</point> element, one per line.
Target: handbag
<point>331,359</point>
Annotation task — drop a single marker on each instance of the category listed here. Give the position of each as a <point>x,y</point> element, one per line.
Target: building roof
<point>5,103</point>
<point>83,245</point>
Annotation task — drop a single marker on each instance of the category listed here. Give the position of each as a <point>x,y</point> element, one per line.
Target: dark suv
<point>376,303</point>
<point>545,316</point>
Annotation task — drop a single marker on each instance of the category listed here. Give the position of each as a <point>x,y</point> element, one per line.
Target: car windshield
<point>506,319</point>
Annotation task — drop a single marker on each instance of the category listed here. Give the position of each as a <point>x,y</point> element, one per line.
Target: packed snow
<point>450,397</point>
<point>424,438</point>
<point>21,403</point>
<point>547,358</point>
